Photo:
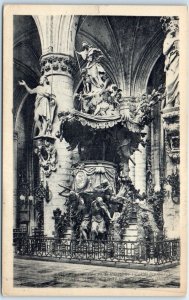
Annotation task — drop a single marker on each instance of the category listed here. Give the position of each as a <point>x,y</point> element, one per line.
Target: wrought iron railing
<point>160,252</point>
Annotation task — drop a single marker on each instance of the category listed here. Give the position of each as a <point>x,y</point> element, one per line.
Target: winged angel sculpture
<point>99,96</point>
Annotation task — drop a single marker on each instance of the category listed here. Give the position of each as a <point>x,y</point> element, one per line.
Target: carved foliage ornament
<point>172,145</point>
<point>172,136</point>
<point>47,155</point>
<point>57,63</point>
<point>137,110</point>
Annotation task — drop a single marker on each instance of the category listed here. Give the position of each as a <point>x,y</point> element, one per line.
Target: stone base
<point>131,233</point>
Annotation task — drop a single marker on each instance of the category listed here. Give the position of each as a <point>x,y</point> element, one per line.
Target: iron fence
<point>159,252</point>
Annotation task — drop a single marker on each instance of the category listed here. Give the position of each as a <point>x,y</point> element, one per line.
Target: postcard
<point>94,150</point>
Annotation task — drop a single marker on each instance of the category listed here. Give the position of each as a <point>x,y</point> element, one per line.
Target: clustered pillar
<point>58,68</point>
<point>57,34</point>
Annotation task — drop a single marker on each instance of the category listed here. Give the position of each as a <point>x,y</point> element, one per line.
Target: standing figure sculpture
<point>100,219</point>
<point>94,71</point>
<point>80,216</point>
<point>171,52</point>
<point>85,223</point>
<point>99,96</point>
<point>44,105</point>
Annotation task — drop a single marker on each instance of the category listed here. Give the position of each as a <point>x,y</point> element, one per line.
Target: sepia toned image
<point>96,176</point>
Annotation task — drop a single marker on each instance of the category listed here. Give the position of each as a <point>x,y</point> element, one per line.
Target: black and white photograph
<point>95,102</point>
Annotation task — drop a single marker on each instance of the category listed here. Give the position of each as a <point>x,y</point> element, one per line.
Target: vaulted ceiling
<point>26,53</point>
<point>132,46</point>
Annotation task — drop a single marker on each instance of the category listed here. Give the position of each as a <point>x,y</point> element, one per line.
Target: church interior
<point>96,128</point>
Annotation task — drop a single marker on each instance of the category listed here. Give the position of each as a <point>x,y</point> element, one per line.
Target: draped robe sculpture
<point>44,105</point>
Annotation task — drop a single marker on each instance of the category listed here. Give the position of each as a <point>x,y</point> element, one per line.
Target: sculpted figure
<point>85,223</point>
<point>109,100</point>
<point>168,190</point>
<point>44,105</point>
<point>86,81</point>
<point>93,69</point>
<point>171,52</point>
<point>99,96</point>
<point>100,218</point>
<point>141,108</point>
<point>80,215</point>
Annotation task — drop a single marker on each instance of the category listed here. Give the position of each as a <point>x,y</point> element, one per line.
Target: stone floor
<point>29,273</point>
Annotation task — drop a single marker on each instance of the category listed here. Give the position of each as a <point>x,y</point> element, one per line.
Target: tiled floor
<point>30,273</point>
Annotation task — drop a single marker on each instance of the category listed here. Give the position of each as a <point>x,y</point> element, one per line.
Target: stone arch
<point>40,31</point>
<point>145,66</point>
<point>67,32</point>
<point>152,53</point>
<point>57,33</point>
<point>26,54</point>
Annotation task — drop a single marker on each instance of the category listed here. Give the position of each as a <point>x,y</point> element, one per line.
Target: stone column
<point>132,168</point>
<point>58,68</point>
<point>155,147</point>
<point>140,169</point>
<point>57,34</point>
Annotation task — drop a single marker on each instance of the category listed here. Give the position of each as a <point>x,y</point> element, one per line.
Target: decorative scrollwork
<point>47,154</point>
<point>172,147</point>
<point>136,111</point>
<point>172,136</point>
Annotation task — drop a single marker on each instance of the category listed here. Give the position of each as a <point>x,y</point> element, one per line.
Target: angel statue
<point>44,105</point>
<point>99,96</point>
<point>94,71</point>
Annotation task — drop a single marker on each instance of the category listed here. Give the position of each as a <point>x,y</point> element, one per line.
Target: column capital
<point>57,64</point>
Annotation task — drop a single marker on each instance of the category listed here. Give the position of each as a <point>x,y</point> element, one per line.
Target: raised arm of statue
<point>44,105</point>
<point>30,91</point>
